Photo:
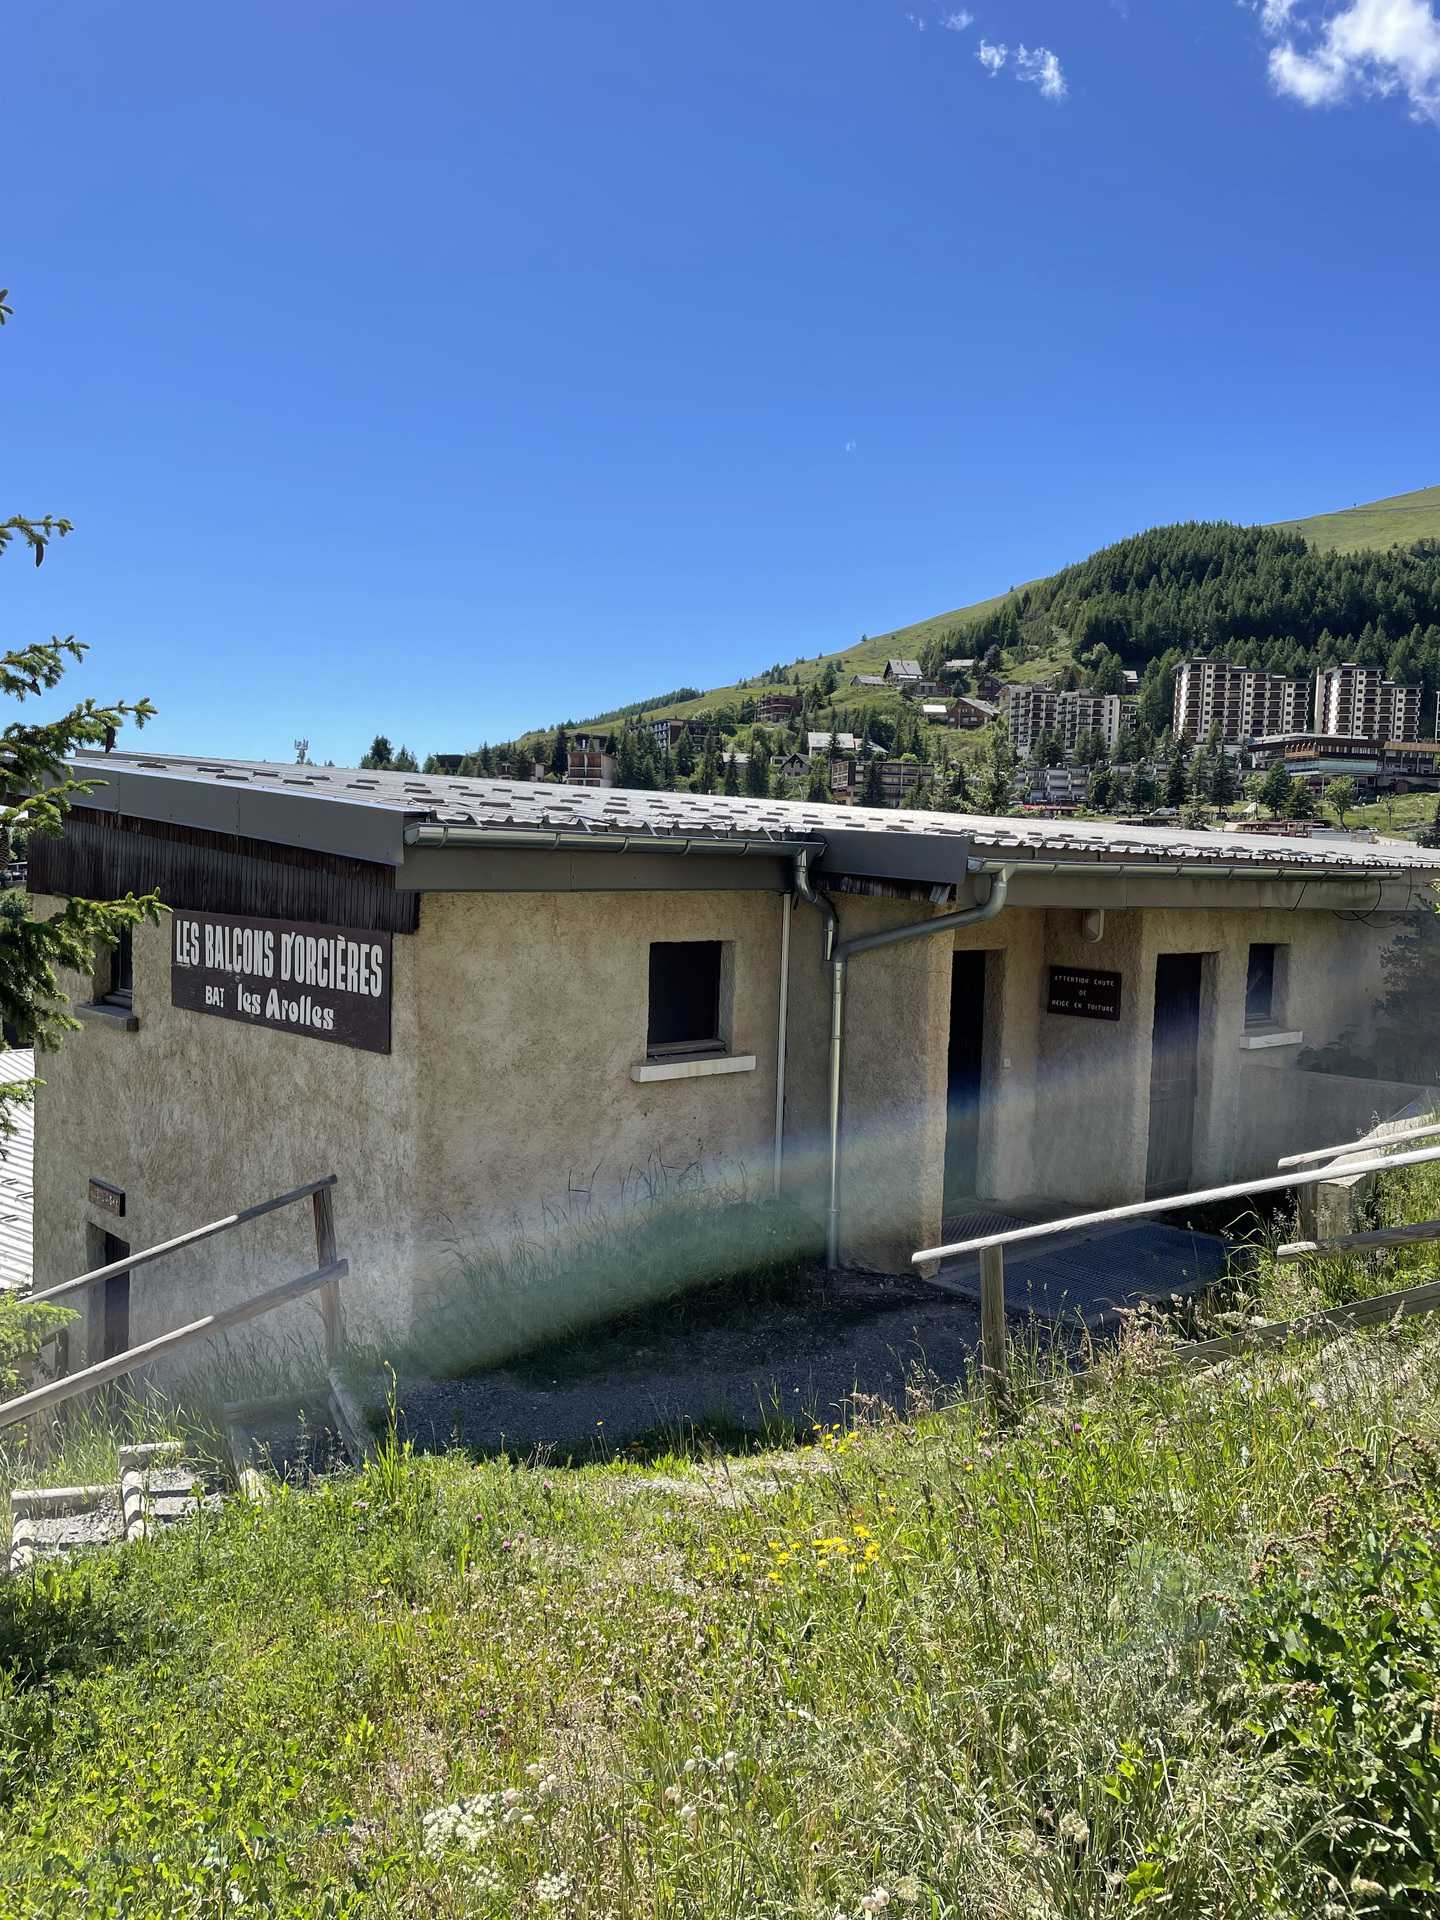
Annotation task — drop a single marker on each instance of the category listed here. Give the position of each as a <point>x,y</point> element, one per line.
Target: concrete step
<point>155,1488</point>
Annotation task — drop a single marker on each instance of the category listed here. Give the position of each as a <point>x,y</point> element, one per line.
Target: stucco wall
<point>507,1109</point>
<point>195,1117</point>
<point>532,1013</point>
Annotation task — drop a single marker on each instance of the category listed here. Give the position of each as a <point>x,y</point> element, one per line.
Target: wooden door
<point>1174,1072</point>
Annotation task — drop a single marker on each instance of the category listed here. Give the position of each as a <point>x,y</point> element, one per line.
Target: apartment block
<point>1032,711</point>
<point>1243,702</point>
<point>1361,704</point>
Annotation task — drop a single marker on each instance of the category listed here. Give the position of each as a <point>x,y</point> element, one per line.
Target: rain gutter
<point>838,955</point>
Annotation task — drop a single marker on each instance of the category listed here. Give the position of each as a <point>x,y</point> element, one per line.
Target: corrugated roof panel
<point>17,1183</point>
<point>455,801</point>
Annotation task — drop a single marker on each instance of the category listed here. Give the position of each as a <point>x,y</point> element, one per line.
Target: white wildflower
<point>463,1823</point>
<point>552,1889</point>
<point>876,1901</point>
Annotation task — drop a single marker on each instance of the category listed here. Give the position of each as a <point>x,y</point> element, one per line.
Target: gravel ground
<point>95,1526</point>
<point>798,1359</point>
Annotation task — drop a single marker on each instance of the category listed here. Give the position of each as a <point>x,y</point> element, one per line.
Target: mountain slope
<point>1379,524</point>
<point>1403,518</point>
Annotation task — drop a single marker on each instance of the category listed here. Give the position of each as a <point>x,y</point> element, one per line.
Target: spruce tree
<point>731,784</point>
<point>1177,776</point>
<point>1274,790</point>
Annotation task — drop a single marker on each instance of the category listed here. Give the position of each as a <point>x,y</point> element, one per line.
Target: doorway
<point>1174,1073</point>
<point>112,1306</point>
<point>965,1074</point>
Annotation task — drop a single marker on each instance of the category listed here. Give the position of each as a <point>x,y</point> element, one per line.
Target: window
<point>121,990</point>
<point>685,978</point>
<point>1262,998</point>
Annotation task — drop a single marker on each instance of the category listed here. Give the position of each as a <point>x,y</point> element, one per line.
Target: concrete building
<point>1241,701</point>
<point>1359,703</point>
<point>774,709</point>
<point>1030,712</point>
<point>1376,766</point>
<point>491,1008</point>
<point>590,760</point>
<point>667,734</point>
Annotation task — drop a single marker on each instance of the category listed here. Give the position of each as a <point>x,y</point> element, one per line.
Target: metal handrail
<point>70,1385</point>
<point>324,1279</point>
<point>1368,1145</point>
<point>158,1252</point>
<point>1141,1209</point>
<point>994,1355</point>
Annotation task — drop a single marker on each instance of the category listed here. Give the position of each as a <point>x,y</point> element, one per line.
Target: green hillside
<point>1166,582</point>
<point>1400,520</point>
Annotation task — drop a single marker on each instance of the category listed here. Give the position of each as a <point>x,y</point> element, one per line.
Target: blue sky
<point>451,368</point>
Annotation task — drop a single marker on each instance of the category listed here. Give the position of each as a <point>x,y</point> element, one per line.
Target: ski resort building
<point>493,1007</point>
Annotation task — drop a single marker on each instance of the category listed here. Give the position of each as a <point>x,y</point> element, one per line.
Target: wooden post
<point>994,1358</point>
<point>325,1256</point>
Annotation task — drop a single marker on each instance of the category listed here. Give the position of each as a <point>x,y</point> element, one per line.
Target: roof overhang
<point>325,823</point>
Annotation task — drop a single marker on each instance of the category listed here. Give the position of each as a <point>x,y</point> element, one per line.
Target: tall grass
<point>931,1666</point>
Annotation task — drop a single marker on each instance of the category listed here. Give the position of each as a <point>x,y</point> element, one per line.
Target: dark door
<point>967,1042</point>
<point>115,1326</point>
<point>1174,1072</point>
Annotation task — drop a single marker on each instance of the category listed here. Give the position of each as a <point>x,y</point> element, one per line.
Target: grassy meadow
<point>1396,521</point>
<point>1165,1643</point>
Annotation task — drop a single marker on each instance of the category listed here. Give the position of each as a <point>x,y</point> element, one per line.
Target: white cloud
<point>917,20</point>
<point>850,446</point>
<point>1036,66</point>
<point>1042,69</point>
<point>1375,48</point>
<point>959,22</point>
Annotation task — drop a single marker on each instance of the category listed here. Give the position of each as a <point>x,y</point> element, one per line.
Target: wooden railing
<point>324,1279</point>
<point>1345,1162</point>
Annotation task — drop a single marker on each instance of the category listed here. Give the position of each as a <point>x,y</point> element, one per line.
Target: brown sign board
<point>1084,991</point>
<point>107,1198</point>
<point>322,983</point>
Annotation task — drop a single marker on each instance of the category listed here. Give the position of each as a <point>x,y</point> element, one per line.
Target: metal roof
<point>300,806</point>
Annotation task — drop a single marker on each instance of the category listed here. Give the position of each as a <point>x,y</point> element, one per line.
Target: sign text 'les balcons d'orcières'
<point>327,983</point>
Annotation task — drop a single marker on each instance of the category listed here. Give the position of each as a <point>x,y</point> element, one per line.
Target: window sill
<point>105,1016</point>
<point>1255,1037</point>
<point>697,1069</point>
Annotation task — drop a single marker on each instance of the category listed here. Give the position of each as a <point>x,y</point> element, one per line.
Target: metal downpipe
<point>840,954</point>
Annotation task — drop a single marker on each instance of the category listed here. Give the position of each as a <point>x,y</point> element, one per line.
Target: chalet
<point>969,712</point>
<point>818,743</point>
<point>491,1006</point>
<point>908,677</point>
<point>868,680</point>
